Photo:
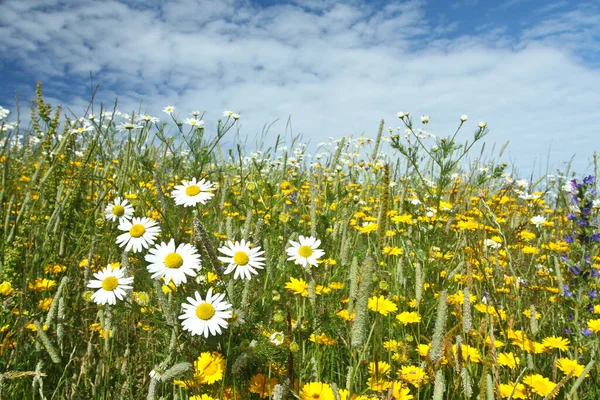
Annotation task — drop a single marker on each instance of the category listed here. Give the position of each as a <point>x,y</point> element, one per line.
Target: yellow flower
<point>54,268</point>
<point>45,304</point>
<point>381,305</point>
<point>336,285</point>
<point>345,315</point>
<point>6,288</point>
<point>262,385</point>
<point>392,345</point>
<point>316,391</point>
<point>594,325</point>
<point>459,298</point>
<point>539,384</point>
<point>378,384</point>
<point>392,251</point>
<point>507,388</point>
<point>413,375</point>
<point>322,339</point>
<point>41,285</point>
<point>526,235</point>
<point>298,286</point>
<point>530,250</point>
<point>408,317</point>
<point>508,360</point>
<point>403,219</point>
<point>469,354</point>
<point>401,392</point>
<point>567,366</point>
<point>381,368</point>
<point>423,349</point>
<point>531,346</point>
<point>368,228</point>
<point>555,342</point>
<point>202,397</point>
<point>32,327</point>
<point>209,368</point>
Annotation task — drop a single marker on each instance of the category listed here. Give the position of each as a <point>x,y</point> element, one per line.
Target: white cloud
<point>337,69</point>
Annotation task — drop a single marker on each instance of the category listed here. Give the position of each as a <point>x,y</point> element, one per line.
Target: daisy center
<point>118,210</point>
<point>305,251</point>
<point>192,190</point>
<point>110,283</point>
<point>241,258</point>
<point>137,230</point>
<point>316,396</point>
<point>205,311</point>
<point>173,260</point>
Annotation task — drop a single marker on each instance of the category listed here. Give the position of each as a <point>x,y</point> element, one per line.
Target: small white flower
<point>464,118</point>
<point>242,259</point>
<point>81,129</point>
<point>402,114</point>
<point>141,233</point>
<point>492,244</point>
<point>596,203</point>
<point>169,109</point>
<point>208,316</point>
<point>277,338</point>
<point>306,252</point>
<point>194,122</point>
<point>119,209</point>
<point>522,183</point>
<point>173,263</point>
<point>538,220</point>
<point>482,124</point>
<point>425,119</point>
<point>193,192</point>
<point>111,285</point>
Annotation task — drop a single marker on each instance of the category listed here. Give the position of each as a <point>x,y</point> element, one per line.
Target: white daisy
<point>193,192</point>
<point>173,264</point>
<point>242,259</point>
<point>203,316</point>
<point>119,209</point>
<point>306,252</point>
<point>111,285</point>
<point>194,122</point>
<point>141,232</point>
<point>538,221</point>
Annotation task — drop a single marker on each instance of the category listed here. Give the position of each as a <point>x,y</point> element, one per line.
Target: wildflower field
<point>140,258</point>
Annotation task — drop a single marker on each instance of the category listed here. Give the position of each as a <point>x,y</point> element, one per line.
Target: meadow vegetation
<point>141,258</point>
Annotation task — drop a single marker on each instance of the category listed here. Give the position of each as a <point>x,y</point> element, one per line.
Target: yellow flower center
<point>110,283</point>
<point>118,211</point>
<point>137,230</point>
<point>241,258</point>
<point>305,251</point>
<point>192,190</point>
<point>210,369</point>
<point>205,311</point>
<point>173,261</point>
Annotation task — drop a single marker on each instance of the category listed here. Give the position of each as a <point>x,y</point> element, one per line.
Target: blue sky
<point>529,68</point>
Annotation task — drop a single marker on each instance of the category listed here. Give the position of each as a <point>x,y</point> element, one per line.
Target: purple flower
<point>568,293</point>
<point>589,308</point>
<point>569,239</point>
<point>574,270</point>
<point>589,180</point>
<point>593,294</point>
<point>587,332</point>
